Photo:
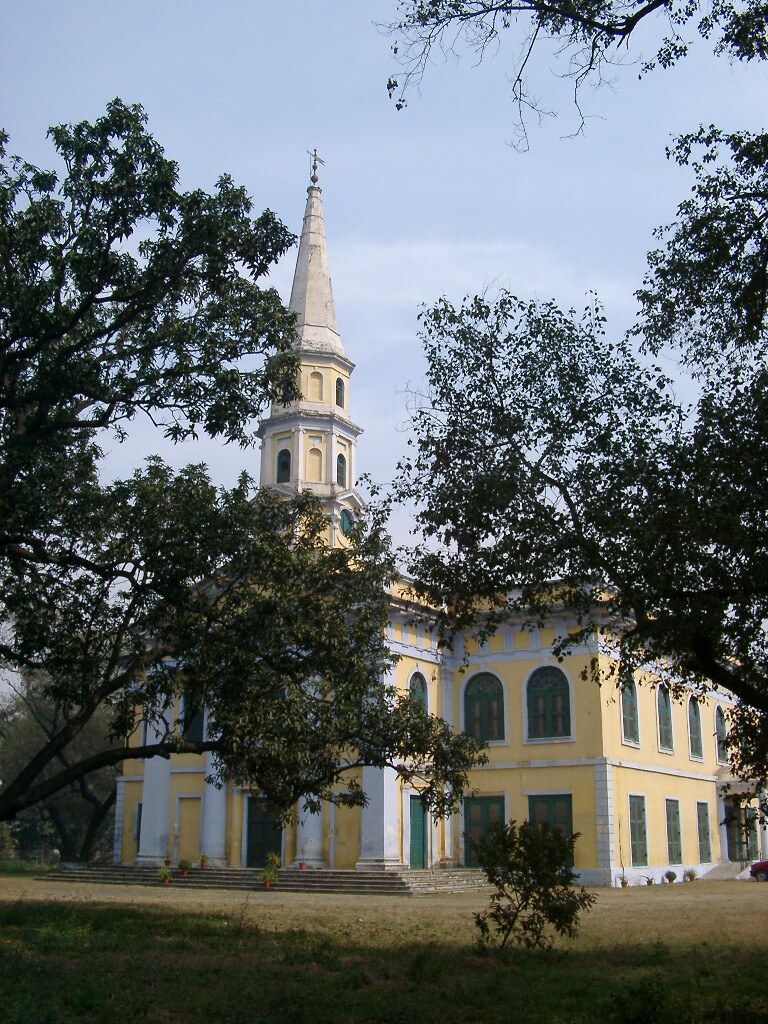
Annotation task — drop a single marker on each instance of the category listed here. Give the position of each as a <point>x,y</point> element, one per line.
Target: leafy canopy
<point>122,296</point>
<point>589,36</point>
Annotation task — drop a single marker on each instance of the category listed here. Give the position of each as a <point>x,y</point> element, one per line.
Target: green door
<point>556,810</point>
<point>480,812</point>
<point>263,835</point>
<point>418,833</point>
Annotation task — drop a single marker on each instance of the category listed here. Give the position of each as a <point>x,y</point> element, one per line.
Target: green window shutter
<point>637,834</point>
<point>664,706</point>
<point>674,844</point>
<point>722,736</point>
<point>705,842</point>
<point>629,720</point>
<point>694,728</point>
<point>549,704</point>
<point>484,708</point>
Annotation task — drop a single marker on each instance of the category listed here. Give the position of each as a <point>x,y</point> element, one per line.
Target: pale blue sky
<point>429,200</point>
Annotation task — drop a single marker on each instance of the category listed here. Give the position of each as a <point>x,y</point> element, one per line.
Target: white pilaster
<point>604,822</point>
<point>309,840</point>
<point>117,848</point>
<point>380,822</point>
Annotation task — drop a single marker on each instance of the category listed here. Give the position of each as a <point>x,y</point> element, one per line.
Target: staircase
<point>359,883</point>
<point>725,870</point>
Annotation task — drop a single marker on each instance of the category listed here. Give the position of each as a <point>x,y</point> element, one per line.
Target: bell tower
<point>309,444</point>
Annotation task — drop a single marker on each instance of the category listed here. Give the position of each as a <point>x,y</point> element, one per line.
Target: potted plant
<point>623,880</point>
<point>670,876</point>
<point>204,860</point>
<point>164,875</point>
<point>302,861</point>
<point>184,866</point>
<point>268,873</point>
<point>167,862</point>
<point>689,875</point>
<point>648,879</point>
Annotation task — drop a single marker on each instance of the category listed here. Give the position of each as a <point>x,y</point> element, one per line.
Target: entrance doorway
<point>263,834</point>
<point>418,857</point>
<point>741,831</point>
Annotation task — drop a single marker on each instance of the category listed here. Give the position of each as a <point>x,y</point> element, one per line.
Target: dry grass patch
<point>661,955</point>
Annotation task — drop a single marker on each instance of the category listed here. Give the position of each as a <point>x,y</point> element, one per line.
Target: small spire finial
<point>315,161</point>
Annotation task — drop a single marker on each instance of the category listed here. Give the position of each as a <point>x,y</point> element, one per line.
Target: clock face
<point>347,521</point>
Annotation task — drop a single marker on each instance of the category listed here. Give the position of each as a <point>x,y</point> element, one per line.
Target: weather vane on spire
<point>315,161</point>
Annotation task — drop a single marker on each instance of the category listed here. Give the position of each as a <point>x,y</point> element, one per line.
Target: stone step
<point>392,883</point>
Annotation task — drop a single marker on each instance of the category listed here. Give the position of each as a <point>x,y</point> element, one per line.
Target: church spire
<point>311,294</point>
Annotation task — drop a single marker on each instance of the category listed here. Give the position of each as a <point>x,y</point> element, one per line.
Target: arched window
<point>694,729</point>
<point>314,465</point>
<point>664,715</point>
<point>347,521</point>
<point>484,708</point>
<point>418,689</point>
<point>340,392</point>
<point>549,704</point>
<point>341,471</point>
<point>315,386</point>
<point>721,733</point>
<point>283,466</point>
<point>630,726</point>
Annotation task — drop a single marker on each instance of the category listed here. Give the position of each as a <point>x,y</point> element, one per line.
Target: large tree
<point>559,469</point>
<point>582,38</point>
<point>124,297</point>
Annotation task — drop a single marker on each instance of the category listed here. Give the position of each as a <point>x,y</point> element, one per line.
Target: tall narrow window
<point>694,729</point>
<point>674,844</point>
<point>549,704</point>
<point>630,726</point>
<point>484,708</point>
<point>314,465</point>
<point>192,719</point>
<point>664,714</point>
<point>638,838</point>
<point>315,386</point>
<point>340,392</point>
<point>341,471</point>
<point>283,466</point>
<point>721,734</point>
<point>418,689</point>
<point>705,842</point>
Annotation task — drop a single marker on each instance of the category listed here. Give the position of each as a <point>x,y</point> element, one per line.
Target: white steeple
<point>310,443</point>
<point>311,294</point>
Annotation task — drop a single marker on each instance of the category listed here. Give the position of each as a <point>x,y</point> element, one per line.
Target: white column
<point>722,828</point>
<point>380,822</point>
<point>447,857</point>
<point>213,828</point>
<point>155,811</point>
<point>117,849</point>
<point>309,840</point>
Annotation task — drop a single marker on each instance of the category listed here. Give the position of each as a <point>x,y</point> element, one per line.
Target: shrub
<point>670,876</point>
<point>530,867</point>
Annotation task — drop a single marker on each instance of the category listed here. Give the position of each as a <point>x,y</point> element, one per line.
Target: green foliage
<point>529,866</point>
<point>7,842</point>
<point>552,452</point>
<point>124,297</point>
<point>590,35</point>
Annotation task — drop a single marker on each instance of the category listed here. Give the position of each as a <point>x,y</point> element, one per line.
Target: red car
<point>759,870</point>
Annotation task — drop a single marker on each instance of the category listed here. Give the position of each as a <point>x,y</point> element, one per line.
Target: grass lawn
<point>680,954</point>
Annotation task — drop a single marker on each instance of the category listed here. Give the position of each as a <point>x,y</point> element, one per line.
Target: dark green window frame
<point>630,725</point>
<point>341,470</point>
<point>418,689</point>
<point>721,735</point>
<point>484,708</point>
<point>705,838</point>
<point>694,730</point>
<point>664,715</point>
<point>283,473</point>
<point>674,838</point>
<point>638,834</point>
<point>549,704</point>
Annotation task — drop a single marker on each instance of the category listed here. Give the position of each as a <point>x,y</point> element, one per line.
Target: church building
<point>642,777</point>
